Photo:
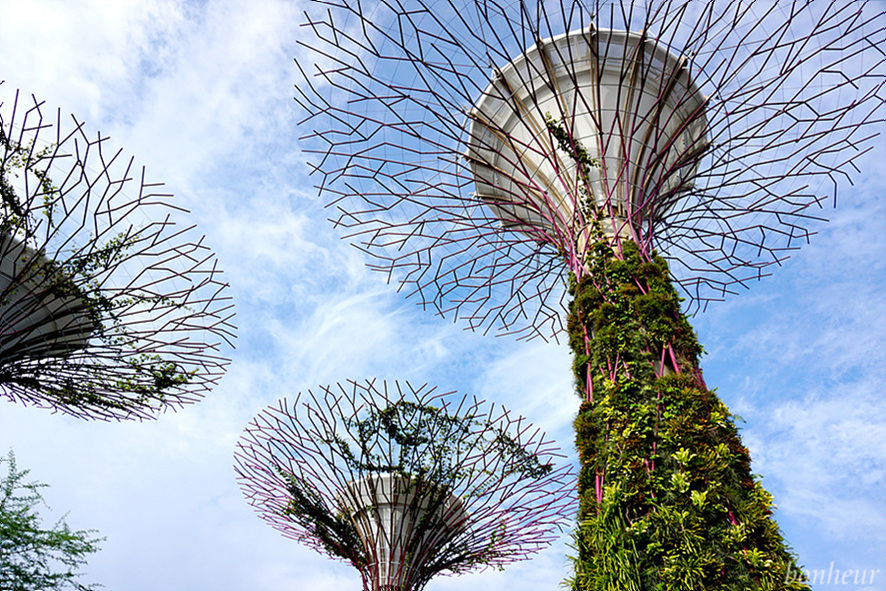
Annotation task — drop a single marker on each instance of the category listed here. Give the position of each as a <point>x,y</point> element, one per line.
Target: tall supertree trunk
<point>667,498</point>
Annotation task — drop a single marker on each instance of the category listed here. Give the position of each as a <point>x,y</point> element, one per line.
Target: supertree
<point>109,308</point>
<point>494,156</point>
<point>404,483</point>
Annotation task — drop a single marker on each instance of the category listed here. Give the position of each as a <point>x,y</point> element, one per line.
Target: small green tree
<point>33,558</point>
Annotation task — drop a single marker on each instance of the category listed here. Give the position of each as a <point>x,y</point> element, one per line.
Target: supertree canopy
<point>498,157</point>
<point>447,131</point>
<point>404,483</point>
<point>109,308</point>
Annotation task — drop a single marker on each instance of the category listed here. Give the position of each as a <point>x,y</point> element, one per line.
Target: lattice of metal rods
<point>110,308</point>
<point>723,166</point>
<point>404,482</point>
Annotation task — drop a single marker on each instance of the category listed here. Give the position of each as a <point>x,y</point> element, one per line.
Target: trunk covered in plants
<point>667,498</point>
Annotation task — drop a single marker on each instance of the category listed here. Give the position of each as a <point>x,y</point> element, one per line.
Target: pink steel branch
<point>753,122</point>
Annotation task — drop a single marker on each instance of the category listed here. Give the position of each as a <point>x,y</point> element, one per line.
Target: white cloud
<point>828,453</point>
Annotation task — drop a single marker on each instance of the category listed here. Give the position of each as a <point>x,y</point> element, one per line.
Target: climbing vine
<point>421,441</point>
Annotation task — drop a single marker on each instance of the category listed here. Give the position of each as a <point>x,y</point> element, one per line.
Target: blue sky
<point>201,94</point>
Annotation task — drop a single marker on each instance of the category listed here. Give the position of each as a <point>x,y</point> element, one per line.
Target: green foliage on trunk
<point>667,498</point>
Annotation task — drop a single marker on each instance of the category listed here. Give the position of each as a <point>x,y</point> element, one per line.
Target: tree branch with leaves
<point>34,557</point>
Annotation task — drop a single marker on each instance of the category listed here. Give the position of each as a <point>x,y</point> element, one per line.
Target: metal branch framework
<point>435,128</point>
<point>404,483</point>
<point>109,308</point>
